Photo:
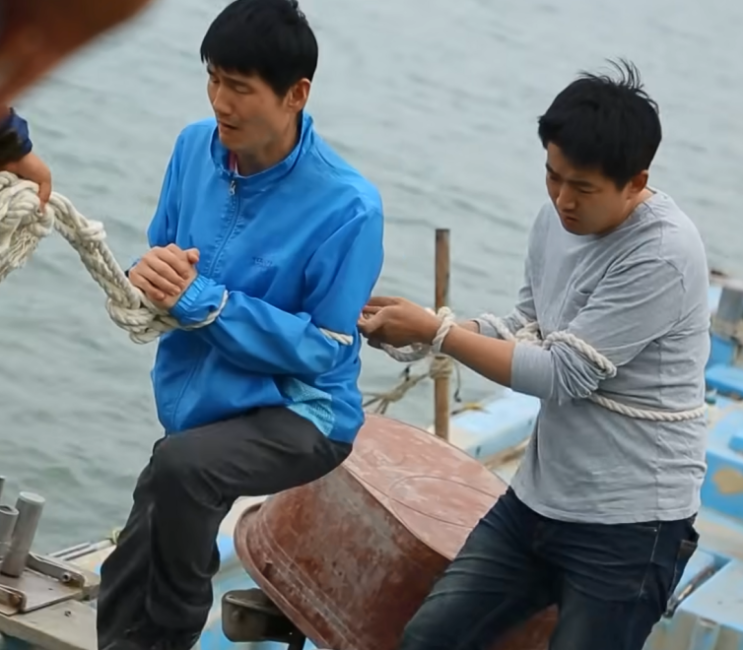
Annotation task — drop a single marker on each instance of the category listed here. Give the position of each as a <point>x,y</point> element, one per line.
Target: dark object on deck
<point>248,616</point>
<point>349,558</point>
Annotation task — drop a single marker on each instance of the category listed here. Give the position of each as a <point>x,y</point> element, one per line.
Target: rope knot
<point>23,224</point>
<point>418,351</point>
<point>442,367</point>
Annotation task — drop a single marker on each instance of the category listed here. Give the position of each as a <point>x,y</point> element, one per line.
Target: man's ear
<point>298,95</point>
<point>639,182</point>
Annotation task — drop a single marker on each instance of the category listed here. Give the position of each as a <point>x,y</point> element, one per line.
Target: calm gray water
<point>436,101</point>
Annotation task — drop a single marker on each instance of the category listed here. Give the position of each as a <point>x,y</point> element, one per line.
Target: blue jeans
<point>611,583</point>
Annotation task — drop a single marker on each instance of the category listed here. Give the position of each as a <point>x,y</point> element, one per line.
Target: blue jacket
<point>298,247</point>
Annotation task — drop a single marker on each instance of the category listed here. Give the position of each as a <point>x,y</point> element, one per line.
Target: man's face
<point>588,202</point>
<point>250,115</point>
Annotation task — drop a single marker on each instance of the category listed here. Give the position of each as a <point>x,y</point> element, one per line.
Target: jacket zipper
<point>232,190</point>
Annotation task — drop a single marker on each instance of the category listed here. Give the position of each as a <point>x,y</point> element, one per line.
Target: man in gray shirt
<point>599,518</point>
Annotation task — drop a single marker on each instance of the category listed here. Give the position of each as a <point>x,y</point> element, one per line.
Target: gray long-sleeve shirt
<point>639,296</point>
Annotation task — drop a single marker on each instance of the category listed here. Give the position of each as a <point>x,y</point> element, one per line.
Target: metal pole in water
<point>8,518</point>
<point>2,485</point>
<point>441,384</point>
<point>29,506</point>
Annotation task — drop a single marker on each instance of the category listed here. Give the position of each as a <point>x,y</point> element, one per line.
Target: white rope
<point>529,333</point>
<point>418,351</point>
<point>23,226</point>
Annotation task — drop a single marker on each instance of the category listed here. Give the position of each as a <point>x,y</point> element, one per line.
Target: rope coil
<point>23,225</point>
<point>529,333</point>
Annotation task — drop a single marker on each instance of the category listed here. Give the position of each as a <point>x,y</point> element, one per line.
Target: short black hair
<point>269,38</point>
<point>603,123</point>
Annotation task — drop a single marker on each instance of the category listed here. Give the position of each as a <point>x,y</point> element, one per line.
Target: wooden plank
<point>64,626</point>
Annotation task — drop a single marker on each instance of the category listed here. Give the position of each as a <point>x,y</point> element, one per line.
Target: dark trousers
<point>166,555</point>
<point>611,583</point>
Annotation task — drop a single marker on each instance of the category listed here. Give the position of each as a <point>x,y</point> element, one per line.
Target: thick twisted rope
<point>23,225</point>
<point>529,333</point>
<point>418,351</point>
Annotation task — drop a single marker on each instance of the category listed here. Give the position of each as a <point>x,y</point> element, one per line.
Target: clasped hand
<point>397,322</point>
<point>164,274</point>
<point>33,168</point>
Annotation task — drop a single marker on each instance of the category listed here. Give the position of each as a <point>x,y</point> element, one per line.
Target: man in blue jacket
<point>262,227</point>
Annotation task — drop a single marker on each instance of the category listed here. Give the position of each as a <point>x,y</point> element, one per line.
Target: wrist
<point>430,330</point>
<point>450,340</point>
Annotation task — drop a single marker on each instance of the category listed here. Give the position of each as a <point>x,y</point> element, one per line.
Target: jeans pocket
<point>687,548</point>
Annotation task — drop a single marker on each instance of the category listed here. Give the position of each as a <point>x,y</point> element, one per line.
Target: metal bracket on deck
<point>12,599</point>
<point>56,570</point>
<point>249,616</point>
<point>41,598</point>
<point>43,582</point>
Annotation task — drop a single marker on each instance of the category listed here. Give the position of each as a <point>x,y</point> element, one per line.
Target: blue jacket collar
<point>220,156</point>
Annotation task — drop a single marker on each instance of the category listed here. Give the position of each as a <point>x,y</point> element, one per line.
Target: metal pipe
<point>29,506</point>
<point>2,485</point>
<point>8,518</point>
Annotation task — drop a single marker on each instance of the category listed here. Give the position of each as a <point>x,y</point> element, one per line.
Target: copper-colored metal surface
<point>349,558</point>
<point>37,35</point>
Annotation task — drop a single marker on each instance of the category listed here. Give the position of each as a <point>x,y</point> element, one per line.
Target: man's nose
<point>565,199</point>
<point>221,104</point>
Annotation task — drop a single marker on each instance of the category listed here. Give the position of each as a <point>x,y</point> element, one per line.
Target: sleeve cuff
<point>20,126</point>
<point>486,329</point>
<point>531,371</point>
<point>201,298</point>
<point>131,266</point>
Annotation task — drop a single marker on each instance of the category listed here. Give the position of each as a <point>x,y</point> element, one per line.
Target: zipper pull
<point>233,187</point>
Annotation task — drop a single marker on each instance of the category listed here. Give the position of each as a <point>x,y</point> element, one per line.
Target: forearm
<point>489,357</point>
<point>559,373</point>
<point>254,334</point>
